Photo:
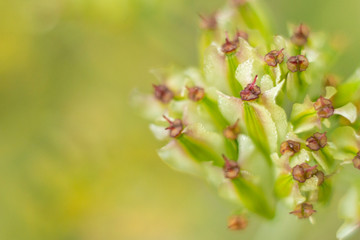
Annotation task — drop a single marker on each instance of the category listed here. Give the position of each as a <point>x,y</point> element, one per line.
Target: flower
<point>273,112</point>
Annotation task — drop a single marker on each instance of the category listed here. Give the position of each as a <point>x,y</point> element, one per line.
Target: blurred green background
<point>77,161</point>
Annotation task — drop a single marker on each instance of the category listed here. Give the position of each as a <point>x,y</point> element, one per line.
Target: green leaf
<point>283,185</point>
<point>325,192</point>
<point>345,141</point>
<point>346,230</point>
<point>232,64</point>
<point>277,113</point>
<point>349,90</point>
<point>253,198</point>
<point>174,155</point>
<point>303,116</point>
<point>215,69</point>
<point>200,151</point>
<point>349,211</point>
<point>348,111</point>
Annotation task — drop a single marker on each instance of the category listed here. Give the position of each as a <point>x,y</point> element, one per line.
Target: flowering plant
<point>262,118</point>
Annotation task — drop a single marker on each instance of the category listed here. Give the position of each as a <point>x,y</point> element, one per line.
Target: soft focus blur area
<point>77,161</point>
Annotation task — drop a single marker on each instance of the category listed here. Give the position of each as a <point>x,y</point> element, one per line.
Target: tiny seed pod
<point>229,46</point>
<point>196,93</point>
<point>232,131</point>
<point>290,146</point>
<point>317,141</point>
<point>251,91</point>
<point>298,173</point>
<point>301,34</point>
<point>163,93</point>
<point>324,107</point>
<point>237,222</point>
<point>303,210</point>
<point>303,172</point>
<point>309,171</point>
<point>274,57</point>
<point>231,168</point>
<point>175,128</point>
<point>297,63</point>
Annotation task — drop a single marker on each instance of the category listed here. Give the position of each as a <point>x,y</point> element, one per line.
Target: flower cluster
<point>260,118</point>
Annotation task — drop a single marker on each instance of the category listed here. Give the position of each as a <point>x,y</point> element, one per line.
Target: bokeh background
<point>77,161</point>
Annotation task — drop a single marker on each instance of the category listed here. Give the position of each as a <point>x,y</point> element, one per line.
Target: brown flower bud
<point>324,107</point>
<point>237,222</point>
<point>231,168</point>
<point>229,46</point>
<point>300,35</point>
<point>241,34</point>
<point>289,146</point>
<point>274,57</point>
<point>309,171</point>
<point>320,176</point>
<point>317,141</point>
<point>196,93</point>
<point>232,131</point>
<point>356,161</point>
<point>163,93</point>
<point>303,171</point>
<point>251,91</point>
<point>176,127</point>
<point>303,210</point>
<point>297,63</point>
<point>298,173</point>
<point>208,22</point>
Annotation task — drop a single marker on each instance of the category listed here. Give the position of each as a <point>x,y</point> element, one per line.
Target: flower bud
<point>229,46</point>
<point>237,222</point>
<point>324,107</point>
<point>208,22</point>
<point>251,91</point>
<point>309,171</point>
<point>356,161</point>
<point>317,141</point>
<point>289,146</point>
<point>241,34</point>
<point>297,63</point>
<point>196,93</point>
<point>274,57</point>
<point>232,131</point>
<point>298,173</point>
<point>176,127</point>
<point>231,168</point>
<point>163,93</point>
<point>303,210</point>
<point>300,35</point>
<point>303,171</point>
